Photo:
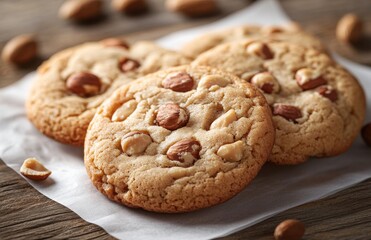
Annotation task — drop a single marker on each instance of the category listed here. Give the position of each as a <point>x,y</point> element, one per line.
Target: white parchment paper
<point>274,190</point>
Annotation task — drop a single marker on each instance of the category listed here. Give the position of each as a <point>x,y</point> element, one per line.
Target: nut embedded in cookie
<point>231,152</point>
<point>266,82</point>
<point>179,82</point>
<point>84,84</point>
<point>135,142</point>
<point>213,80</point>
<point>171,116</point>
<point>289,112</point>
<point>307,79</point>
<point>224,120</point>
<point>187,150</point>
<point>260,49</point>
<point>328,92</point>
<point>124,111</point>
<point>127,64</point>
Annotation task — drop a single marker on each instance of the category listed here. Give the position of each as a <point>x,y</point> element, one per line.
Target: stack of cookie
<point>176,132</point>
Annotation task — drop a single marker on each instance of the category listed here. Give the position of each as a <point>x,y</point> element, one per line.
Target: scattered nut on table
<point>20,50</point>
<point>81,10</point>
<point>290,229</point>
<point>192,8</point>
<point>349,28</point>
<point>366,134</point>
<point>130,6</point>
<point>33,169</point>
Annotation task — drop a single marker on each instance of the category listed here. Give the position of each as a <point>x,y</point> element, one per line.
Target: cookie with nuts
<point>73,83</point>
<point>318,107</point>
<point>193,137</point>
<point>291,32</point>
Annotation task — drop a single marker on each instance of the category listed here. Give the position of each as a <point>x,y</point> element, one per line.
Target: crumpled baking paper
<point>276,188</point>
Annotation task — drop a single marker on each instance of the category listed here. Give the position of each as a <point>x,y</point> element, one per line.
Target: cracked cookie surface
<point>179,140</point>
<point>73,83</point>
<point>318,107</point>
<point>288,33</point>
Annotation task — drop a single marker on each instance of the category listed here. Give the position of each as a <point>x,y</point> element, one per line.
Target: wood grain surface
<point>26,214</point>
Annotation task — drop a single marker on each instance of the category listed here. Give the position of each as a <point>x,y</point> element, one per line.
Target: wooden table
<point>25,213</point>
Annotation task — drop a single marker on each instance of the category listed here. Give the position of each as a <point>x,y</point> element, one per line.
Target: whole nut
<point>328,92</point>
<point>130,6</point>
<point>231,152</point>
<point>212,80</point>
<point>307,79</point>
<point>124,111</point>
<point>127,65</point>
<point>20,50</point>
<point>290,229</point>
<point>115,42</point>
<point>135,142</point>
<point>187,150</point>
<point>224,120</point>
<point>192,8</point>
<point>33,169</point>
<point>366,134</point>
<point>287,111</point>
<point>171,116</point>
<point>260,49</point>
<point>81,10</point>
<point>84,84</point>
<point>180,82</point>
<point>349,28</point>
<point>266,82</point>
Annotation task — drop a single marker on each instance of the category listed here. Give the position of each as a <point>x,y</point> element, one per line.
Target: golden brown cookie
<point>73,83</point>
<point>179,140</point>
<point>318,106</point>
<point>288,33</point>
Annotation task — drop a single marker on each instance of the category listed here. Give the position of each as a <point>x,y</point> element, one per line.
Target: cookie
<point>318,106</point>
<point>73,83</point>
<point>179,140</point>
<point>289,33</point>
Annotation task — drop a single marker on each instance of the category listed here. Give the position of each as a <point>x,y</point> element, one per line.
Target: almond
<point>33,169</point>
<point>81,10</point>
<point>231,152</point>
<point>224,120</point>
<point>260,49</point>
<point>192,8</point>
<point>287,111</point>
<point>129,6</point>
<point>128,64</point>
<point>124,111</point>
<point>179,82</point>
<point>307,79</point>
<point>212,80</point>
<point>135,142</point>
<point>266,82</point>
<point>187,150</point>
<point>328,92</point>
<point>84,84</point>
<point>290,229</point>
<point>349,28</point>
<point>171,116</point>
<point>20,49</point>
